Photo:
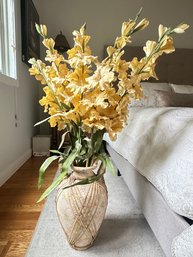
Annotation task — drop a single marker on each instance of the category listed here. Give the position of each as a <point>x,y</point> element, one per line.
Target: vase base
<point>81,248</point>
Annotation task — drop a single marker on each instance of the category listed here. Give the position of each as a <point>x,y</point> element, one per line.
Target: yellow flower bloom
<point>53,122</point>
<point>149,48</point>
<point>101,77</point>
<point>135,65</point>
<point>41,79</point>
<point>73,51</point>
<point>96,98</point>
<point>92,95</point>
<point>127,26</point>
<point>121,41</point>
<point>62,70</point>
<point>142,25</point>
<point>109,112</point>
<point>34,71</point>
<point>72,116</point>
<point>122,104</point>
<point>161,30</point>
<point>49,43</point>
<point>167,46</point>
<point>121,67</point>
<point>110,50</point>
<point>82,41</point>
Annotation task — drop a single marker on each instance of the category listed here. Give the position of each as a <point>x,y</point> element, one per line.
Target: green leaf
<point>71,157</point>
<point>67,150</point>
<point>57,152</point>
<point>83,151</point>
<point>65,106</point>
<point>62,139</point>
<point>86,181</point>
<point>97,140</point>
<point>54,115</point>
<point>55,183</point>
<point>44,167</point>
<point>108,163</point>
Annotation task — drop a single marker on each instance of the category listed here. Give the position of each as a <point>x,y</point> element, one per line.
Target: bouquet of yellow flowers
<point>88,97</point>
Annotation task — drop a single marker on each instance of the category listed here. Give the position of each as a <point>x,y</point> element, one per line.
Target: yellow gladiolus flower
<point>49,43</point>
<point>72,52</point>
<point>122,41</point>
<point>62,70</point>
<point>110,50</point>
<point>34,71</point>
<point>167,46</point>
<point>127,26</point>
<point>102,76</point>
<point>161,30</point>
<point>150,47</point>
<point>142,25</point>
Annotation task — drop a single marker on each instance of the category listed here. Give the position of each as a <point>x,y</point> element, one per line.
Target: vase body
<point>81,209</point>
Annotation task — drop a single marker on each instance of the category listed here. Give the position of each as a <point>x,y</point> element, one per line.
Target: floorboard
<point>19,211</point>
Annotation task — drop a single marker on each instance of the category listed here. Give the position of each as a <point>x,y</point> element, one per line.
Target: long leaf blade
<point>54,115</point>
<point>108,163</point>
<point>56,152</point>
<point>55,183</point>
<point>72,156</point>
<point>62,140</point>
<point>44,167</point>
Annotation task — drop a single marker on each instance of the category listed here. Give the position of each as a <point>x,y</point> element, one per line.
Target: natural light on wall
<point>8,71</point>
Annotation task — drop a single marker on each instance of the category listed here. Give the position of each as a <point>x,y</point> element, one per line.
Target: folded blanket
<point>158,142</point>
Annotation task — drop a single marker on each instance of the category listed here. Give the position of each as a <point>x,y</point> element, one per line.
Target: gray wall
<point>104,19</point>
<point>15,142</point>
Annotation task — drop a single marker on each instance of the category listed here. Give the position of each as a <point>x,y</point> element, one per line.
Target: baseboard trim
<point>12,168</point>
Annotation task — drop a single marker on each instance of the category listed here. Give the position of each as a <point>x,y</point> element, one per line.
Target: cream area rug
<point>124,231</point>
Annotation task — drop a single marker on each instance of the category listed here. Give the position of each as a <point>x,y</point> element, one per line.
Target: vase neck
<point>83,172</point>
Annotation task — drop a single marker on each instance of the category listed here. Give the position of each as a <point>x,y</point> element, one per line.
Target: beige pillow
<point>148,86</point>
<point>173,99</point>
<point>182,89</point>
<point>150,96</point>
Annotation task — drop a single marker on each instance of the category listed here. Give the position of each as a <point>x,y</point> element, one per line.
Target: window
<point>7,40</point>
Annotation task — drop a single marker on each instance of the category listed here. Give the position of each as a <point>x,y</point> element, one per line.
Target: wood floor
<point>19,211</point>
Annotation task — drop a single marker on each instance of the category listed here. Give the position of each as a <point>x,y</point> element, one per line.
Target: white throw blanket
<point>158,142</point>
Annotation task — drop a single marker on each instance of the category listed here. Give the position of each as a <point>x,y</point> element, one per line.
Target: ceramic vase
<point>81,209</point>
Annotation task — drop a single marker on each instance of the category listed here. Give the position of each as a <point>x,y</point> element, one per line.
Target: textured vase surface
<point>81,209</point>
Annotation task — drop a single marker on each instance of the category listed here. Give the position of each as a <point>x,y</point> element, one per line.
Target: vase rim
<point>79,168</point>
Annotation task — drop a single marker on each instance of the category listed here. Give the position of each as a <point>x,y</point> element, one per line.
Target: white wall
<point>15,142</point>
<point>104,19</point>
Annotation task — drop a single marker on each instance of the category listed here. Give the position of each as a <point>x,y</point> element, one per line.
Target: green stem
<point>154,51</point>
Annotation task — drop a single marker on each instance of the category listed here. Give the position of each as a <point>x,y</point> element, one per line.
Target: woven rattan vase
<point>81,209</point>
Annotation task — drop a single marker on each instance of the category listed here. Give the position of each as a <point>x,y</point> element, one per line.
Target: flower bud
<point>43,30</point>
<point>161,30</point>
<point>142,24</point>
<point>127,26</point>
<point>181,28</point>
